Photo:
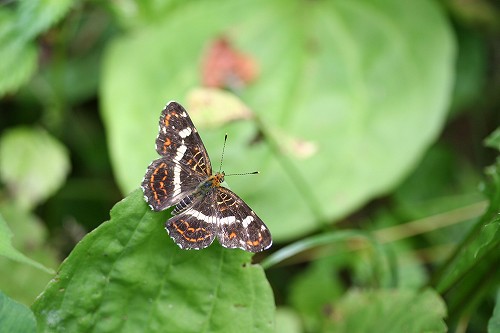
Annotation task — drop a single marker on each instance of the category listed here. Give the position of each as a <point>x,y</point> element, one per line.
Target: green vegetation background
<point>372,124</point>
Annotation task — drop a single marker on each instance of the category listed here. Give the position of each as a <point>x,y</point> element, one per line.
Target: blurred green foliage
<point>15,317</point>
<point>374,125</point>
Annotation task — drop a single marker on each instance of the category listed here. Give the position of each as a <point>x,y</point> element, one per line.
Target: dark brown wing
<point>196,227</point>
<point>159,182</point>
<point>178,139</point>
<point>184,163</point>
<point>238,225</point>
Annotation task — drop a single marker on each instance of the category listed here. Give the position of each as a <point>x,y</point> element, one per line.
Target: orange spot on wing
<point>152,180</point>
<point>166,143</point>
<point>191,229</point>
<point>255,242</point>
<point>167,120</point>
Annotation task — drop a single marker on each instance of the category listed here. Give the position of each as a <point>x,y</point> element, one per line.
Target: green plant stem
<point>431,223</point>
<point>491,210</point>
<point>300,183</point>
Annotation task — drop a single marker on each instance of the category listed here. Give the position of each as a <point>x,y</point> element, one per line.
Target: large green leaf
<point>350,95</point>
<point>128,276</point>
<point>15,317</point>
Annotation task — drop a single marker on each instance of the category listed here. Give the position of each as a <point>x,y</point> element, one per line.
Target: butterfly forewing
<point>185,162</point>
<point>179,138</point>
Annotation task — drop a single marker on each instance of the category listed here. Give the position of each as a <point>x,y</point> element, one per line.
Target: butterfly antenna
<point>222,159</point>
<point>245,173</point>
<point>222,156</point>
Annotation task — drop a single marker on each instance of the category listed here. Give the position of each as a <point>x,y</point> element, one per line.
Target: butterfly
<point>183,177</point>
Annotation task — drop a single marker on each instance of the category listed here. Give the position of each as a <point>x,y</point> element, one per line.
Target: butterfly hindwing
<point>159,184</point>
<point>195,227</point>
<point>239,226</point>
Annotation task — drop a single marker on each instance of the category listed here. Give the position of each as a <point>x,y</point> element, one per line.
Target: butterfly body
<point>210,184</point>
<point>204,210</point>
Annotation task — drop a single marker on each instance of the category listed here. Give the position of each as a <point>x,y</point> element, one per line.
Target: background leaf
<point>287,321</point>
<point>18,56</point>
<point>332,79</point>
<point>493,140</point>
<point>15,317</point>
<point>28,257</point>
<point>18,28</point>
<point>32,164</point>
<point>7,250</point>
<point>36,16</point>
<point>129,268</point>
<point>470,271</point>
<point>480,249</point>
<point>389,311</point>
<point>494,323</point>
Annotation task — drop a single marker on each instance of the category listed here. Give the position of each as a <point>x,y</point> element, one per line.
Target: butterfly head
<point>212,182</point>
<point>218,178</point>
